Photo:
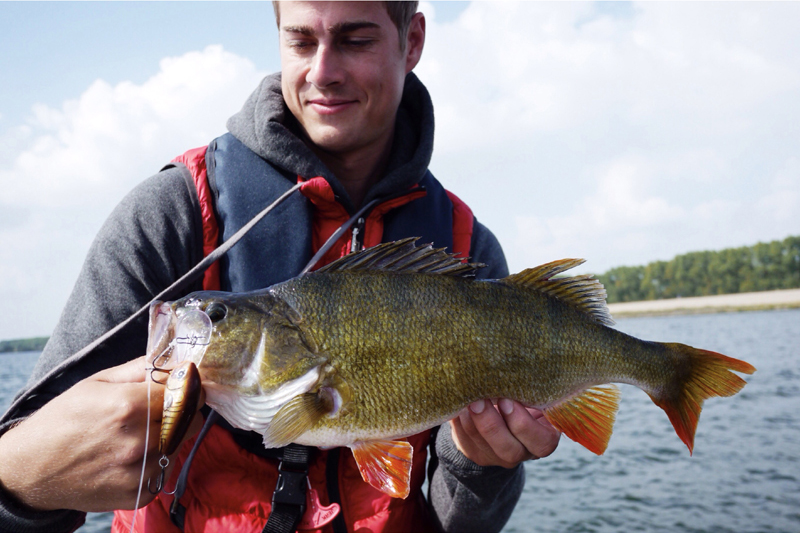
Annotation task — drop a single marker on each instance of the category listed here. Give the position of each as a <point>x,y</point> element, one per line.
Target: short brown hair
<point>400,13</point>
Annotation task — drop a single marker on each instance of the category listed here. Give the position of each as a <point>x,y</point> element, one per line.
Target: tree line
<point>762,267</point>
<point>35,344</point>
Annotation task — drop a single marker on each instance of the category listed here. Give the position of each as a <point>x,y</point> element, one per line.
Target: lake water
<point>744,475</point>
<point>745,472</point>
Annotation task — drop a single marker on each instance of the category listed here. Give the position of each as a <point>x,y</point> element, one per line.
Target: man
<point>345,109</point>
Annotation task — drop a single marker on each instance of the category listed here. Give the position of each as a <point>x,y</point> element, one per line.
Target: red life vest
<point>230,489</point>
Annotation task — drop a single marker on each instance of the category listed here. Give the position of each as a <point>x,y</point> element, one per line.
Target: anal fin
<point>386,465</point>
<point>587,418</point>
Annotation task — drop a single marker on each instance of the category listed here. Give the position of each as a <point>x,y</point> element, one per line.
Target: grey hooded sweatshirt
<point>154,236</point>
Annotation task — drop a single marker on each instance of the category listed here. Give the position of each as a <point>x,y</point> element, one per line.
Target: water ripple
<point>745,472</point>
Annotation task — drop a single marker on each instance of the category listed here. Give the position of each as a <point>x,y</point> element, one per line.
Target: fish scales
<point>404,340</point>
<point>394,340</point>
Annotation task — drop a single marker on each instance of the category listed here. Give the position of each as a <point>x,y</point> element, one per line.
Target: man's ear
<point>415,41</point>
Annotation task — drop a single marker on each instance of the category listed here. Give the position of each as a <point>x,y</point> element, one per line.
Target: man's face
<point>343,71</point>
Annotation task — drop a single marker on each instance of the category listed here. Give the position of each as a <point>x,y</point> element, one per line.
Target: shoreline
<point>745,301</point>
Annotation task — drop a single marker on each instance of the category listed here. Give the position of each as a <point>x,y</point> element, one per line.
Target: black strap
<point>177,511</point>
<point>289,498</point>
<point>332,481</point>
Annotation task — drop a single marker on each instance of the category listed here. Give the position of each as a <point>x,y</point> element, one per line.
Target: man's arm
<point>468,497</point>
<point>85,441</point>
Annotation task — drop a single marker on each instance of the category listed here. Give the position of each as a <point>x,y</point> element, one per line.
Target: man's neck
<point>358,170</point>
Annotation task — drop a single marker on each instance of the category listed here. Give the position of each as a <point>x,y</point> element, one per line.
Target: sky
<point>620,132</point>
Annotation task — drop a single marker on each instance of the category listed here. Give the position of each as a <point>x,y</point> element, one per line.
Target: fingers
<point>489,435</point>
<point>84,449</point>
<point>131,478</point>
<point>530,428</point>
<point>503,435</point>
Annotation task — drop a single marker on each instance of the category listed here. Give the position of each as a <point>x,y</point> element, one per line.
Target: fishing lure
<point>181,396</point>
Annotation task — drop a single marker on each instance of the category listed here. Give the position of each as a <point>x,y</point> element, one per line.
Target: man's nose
<point>326,68</point>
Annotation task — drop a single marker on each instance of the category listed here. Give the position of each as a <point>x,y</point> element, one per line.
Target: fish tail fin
<point>709,375</point>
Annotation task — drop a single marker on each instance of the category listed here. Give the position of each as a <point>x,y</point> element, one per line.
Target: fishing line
<point>144,459</point>
<point>178,285</point>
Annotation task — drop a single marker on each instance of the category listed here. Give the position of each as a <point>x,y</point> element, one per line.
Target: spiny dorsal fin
<point>583,292</point>
<point>404,256</point>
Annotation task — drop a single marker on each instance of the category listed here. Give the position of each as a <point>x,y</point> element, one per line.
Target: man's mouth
<point>330,106</point>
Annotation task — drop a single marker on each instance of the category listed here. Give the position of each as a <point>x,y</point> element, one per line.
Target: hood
<point>266,126</point>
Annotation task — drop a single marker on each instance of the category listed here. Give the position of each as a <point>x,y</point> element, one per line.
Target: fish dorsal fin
<point>587,418</point>
<point>583,292</point>
<point>386,465</point>
<point>404,256</point>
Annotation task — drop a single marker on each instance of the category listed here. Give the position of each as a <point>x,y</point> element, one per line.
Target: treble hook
<point>163,463</point>
<point>157,367</point>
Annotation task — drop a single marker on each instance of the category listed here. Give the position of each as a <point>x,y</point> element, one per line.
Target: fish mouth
<point>175,335</point>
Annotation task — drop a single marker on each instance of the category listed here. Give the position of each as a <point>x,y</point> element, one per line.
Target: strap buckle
<point>291,487</point>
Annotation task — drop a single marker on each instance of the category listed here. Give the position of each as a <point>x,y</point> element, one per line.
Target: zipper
<point>357,242</point>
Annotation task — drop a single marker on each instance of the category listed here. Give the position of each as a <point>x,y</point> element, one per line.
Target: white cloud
<point>625,135</point>
<point>781,199</point>
<point>96,147</point>
<point>619,133</point>
<point>67,167</point>
<point>620,202</point>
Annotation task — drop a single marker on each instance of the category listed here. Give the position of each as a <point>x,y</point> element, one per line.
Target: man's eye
<point>300,45</point>
<point>357,43</point>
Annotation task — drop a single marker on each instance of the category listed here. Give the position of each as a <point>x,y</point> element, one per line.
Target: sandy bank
<point>747,301</point>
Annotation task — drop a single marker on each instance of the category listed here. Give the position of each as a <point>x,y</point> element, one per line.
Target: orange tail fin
<point>709,375</point>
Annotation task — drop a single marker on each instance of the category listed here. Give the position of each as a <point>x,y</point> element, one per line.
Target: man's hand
<point>503,435</point>
<point>83,450</point>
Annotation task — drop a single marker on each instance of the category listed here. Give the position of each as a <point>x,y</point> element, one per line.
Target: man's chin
<point>333,140</point>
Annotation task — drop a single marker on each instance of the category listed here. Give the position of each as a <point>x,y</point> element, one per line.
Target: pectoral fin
<point>588,418</point>
<point>296,417</point>
<point>386,465</point>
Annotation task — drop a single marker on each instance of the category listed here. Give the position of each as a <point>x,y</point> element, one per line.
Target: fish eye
<point>216,311</point>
